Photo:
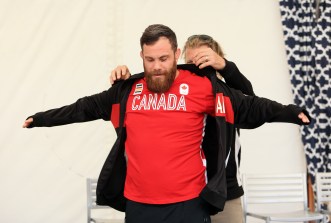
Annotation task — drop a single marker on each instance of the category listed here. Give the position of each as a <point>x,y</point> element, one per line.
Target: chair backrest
<point>91,185</point>
<point>323,189</point>
<point>274,188</point>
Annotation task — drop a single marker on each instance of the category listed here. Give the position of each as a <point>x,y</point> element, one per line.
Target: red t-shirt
<point>164,135</point>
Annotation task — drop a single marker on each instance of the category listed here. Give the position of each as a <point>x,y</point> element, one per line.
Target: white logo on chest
<point>183,89</point>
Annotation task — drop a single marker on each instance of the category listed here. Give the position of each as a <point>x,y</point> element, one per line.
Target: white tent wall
<point>54,51</point>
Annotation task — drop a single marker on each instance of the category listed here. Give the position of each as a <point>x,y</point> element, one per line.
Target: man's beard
<point>160,85</point>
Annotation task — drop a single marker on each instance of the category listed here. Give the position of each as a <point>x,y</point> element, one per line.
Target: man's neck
<point>177,73</point>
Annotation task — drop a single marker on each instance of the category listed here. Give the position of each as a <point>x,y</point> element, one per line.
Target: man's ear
<point>141,55</point>
<point>177,54</point>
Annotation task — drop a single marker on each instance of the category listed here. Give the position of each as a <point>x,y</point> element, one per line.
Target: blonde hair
<point>196,41</point>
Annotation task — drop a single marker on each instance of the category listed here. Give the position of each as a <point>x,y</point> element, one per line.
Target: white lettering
<point>134,106</point>
<point>172,101</point>
<point>152,101</point>
<point>220,109</point>
<point>158,102</point>
<point>162,103</point>
<point>143,102</point>
<point>181,103</point>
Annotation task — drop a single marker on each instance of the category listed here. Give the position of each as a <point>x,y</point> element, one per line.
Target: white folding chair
<point>281,189</point>
<point>323,193</point>
<point>91,204</point>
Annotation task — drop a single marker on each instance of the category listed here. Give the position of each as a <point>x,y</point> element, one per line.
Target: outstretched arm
<point>252,111</point>
<point>85,109</point>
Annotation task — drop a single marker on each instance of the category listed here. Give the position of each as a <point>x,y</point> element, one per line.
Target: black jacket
<point>234,79</point>
<point>248,112</point>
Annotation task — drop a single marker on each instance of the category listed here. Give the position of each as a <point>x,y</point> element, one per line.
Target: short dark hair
<point>153,32</point>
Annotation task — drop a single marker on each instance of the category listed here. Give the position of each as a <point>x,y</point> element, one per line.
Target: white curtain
<point>52,52</point>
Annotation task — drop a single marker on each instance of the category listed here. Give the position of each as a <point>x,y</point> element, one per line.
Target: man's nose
<point>157,65</point>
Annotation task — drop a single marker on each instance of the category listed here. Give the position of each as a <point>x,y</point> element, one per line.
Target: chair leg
<point>325,218</point>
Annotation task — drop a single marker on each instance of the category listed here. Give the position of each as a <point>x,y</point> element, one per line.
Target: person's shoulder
<point>186,72</point>
<point>197,84</point>
<point>191,75</point>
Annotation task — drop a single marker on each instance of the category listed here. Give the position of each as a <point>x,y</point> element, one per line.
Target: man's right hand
<point>27,122</point>
<point>119,73</point>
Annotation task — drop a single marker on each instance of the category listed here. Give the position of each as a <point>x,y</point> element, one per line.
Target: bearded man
<point>156,169</point>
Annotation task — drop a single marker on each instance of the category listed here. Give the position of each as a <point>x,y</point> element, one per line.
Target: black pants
<point>191,211</point>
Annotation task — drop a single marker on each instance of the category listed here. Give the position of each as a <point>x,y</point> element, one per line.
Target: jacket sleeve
<point>85,109</point>
<point>235,79</point>
<point>253,111</point>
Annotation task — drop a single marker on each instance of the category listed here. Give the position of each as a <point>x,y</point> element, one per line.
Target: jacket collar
<point>207,71</point>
